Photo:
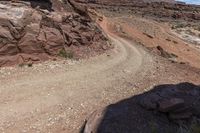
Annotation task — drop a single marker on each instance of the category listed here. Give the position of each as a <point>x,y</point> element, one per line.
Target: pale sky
<point>191,1</point>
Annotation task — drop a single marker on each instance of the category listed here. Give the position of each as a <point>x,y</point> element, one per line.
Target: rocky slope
<point>122,1</point>
<point>33,31</point>
<point>168,9</point>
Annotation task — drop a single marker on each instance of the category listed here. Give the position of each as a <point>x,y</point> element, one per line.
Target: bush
<point>178,25</point>
<point>25,65</point>
<point>21,65</point>
<point>153,127</point>
<point>66,54</point>
<point>195,128</point>
<point>30,64</point>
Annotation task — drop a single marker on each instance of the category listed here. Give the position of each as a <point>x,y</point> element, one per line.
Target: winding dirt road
<point>59,96</point>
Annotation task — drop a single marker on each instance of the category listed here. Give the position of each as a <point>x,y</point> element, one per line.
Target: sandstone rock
<point>28,44</point>
<point>56,17</point>
<point>26,32</point>
<point>5,34</point>
<point>9,49</point>
<point>36,17</point>
<point>33,28</point>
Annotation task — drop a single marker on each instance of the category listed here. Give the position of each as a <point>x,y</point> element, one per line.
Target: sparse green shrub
<point>25,65</point>
<point>178,25</point>
<point>30,64</point>
<point>21,65</point>
<point>66,54</point>
<point>153,127</point>
<point>195,128</point>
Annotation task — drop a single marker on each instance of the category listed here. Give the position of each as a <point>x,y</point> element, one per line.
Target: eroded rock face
<point>33,34</point>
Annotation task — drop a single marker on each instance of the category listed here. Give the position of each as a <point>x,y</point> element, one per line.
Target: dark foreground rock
<point>164,109</point>
<point>40,30</point>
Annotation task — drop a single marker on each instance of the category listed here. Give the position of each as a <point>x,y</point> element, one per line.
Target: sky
<point>191,1</point>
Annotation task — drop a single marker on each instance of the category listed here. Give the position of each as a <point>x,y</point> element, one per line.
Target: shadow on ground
<point>164,109</point>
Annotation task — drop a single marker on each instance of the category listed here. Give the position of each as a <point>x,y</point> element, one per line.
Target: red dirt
<point>162,36</point>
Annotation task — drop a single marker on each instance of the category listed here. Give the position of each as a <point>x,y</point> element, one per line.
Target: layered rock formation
<point>36,31</point>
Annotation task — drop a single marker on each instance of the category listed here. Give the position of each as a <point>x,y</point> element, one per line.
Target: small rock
<point>104,47</point>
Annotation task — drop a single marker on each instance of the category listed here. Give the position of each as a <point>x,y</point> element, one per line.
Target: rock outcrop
<point>37,31</point>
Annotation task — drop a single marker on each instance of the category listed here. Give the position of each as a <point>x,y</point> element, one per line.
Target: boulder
<point>164,109</point>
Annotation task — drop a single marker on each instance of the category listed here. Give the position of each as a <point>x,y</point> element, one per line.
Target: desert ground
<point>57,95</point>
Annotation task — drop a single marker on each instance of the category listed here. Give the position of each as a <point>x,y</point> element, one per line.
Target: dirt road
<point>58,97</point>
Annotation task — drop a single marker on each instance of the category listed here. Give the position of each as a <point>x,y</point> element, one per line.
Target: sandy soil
<point>151,34</point>
<point>58,96</point>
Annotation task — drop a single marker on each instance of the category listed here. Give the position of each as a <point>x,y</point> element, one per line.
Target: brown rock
<point>57,17</point>
<point>54,39</point>
<point>5,33</point>
<point>42,33</point>
<point>9,49</point>
<point>29,44</point>
<point>36,17</point>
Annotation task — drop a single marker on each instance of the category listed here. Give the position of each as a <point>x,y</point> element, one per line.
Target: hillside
<point>122,1</point>
<point>36,31</point>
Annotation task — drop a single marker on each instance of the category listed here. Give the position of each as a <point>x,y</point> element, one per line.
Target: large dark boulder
<point>164,109</point>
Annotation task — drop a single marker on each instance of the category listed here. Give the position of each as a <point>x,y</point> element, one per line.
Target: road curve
<point>59,99</point>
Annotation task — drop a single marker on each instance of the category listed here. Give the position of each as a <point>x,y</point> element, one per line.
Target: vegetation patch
<point>66,54</point>
<point>25,65</point>
<point>195,128</point>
